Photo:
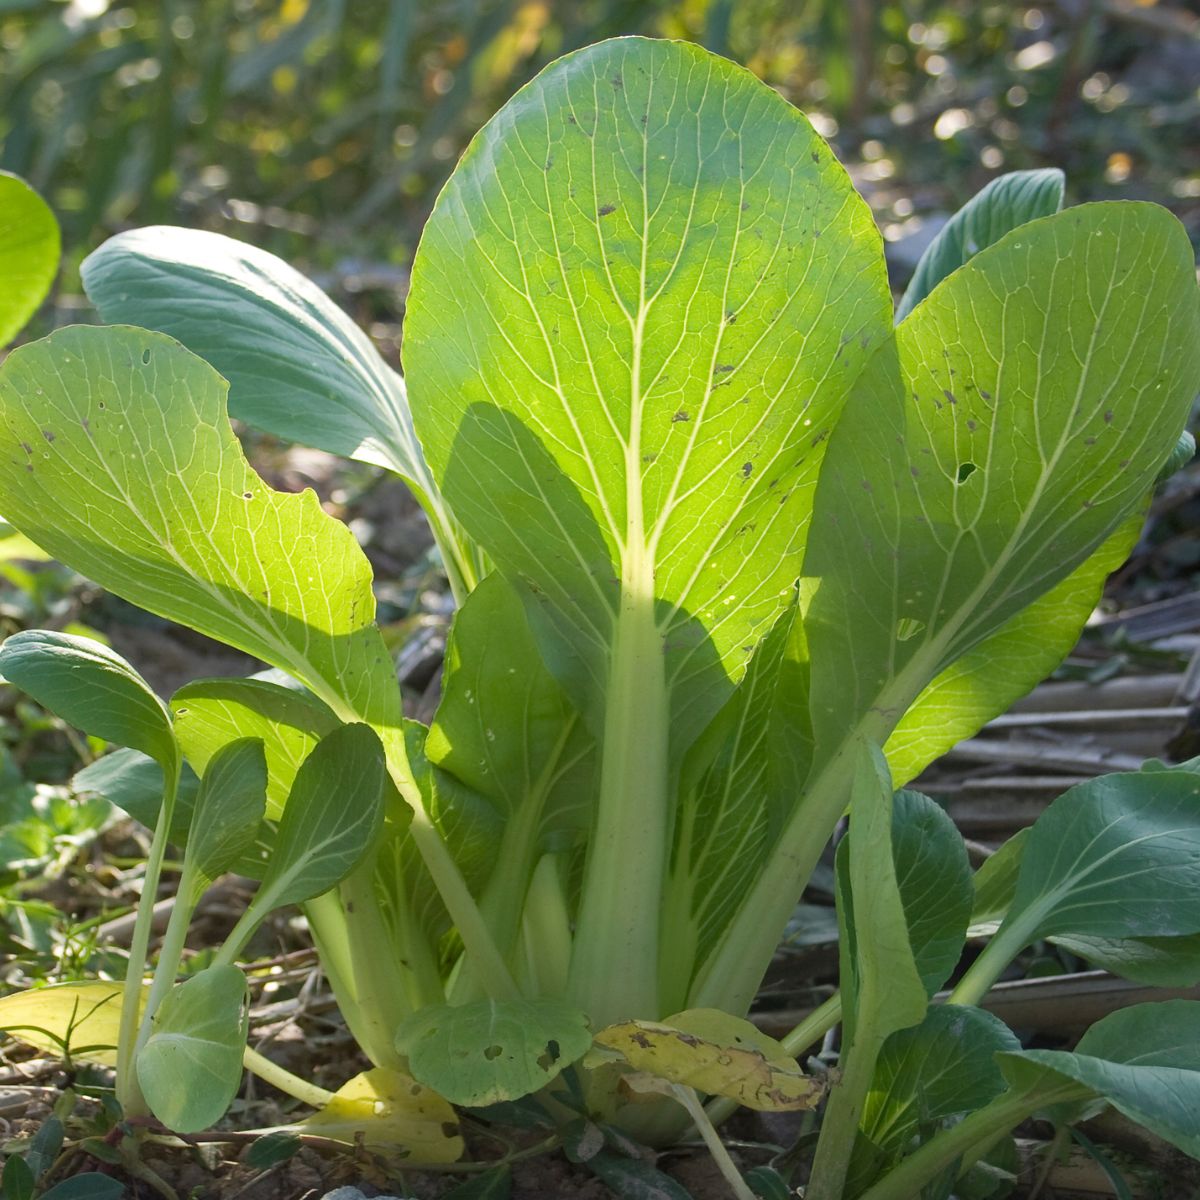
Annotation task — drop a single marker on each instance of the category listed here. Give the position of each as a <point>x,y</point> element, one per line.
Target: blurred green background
<point>322,129</point>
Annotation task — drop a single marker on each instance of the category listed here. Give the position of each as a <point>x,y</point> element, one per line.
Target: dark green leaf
<point>90,1185</point>
<point>933,875</point>
<point>92,688</point>
<point>632,1179</point>
<point>1115,857</point>
<point>229,808</point>
<point>134,783</point>
<point>270,1149</point>
<point>1004,204</point>
<point>331,819</point>
<point>17,1181</point>
<point>942,1068</point>
<point>1144,1060</point>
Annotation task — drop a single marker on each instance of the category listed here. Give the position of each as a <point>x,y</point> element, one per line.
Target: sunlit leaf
<point>29,248</point>
<point>392,1111</point>
<point>82,1018</point>
<point>120,461</point>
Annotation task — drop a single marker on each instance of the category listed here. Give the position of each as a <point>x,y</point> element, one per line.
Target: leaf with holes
<point>490,1050</point>
<point>717,1054</point>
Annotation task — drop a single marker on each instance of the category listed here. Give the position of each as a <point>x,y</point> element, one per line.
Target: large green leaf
<point>1118,856</point>
<point>480,1053</point>
<point>634,316</point>
<point>213,712</point>
<point>1144,1060</point>
<point>118,459</point>
<point>973,470</point>
<point>1005,203</point>
<point>92,688</point>
<point>191,1065</point>
<point>29,248</point>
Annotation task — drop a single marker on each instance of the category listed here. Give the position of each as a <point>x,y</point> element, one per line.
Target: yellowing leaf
<point>81,1019</point>
<point>718,1054</point>
<point>390,1110</point>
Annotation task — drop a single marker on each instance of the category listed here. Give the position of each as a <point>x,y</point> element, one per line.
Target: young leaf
<point>392,1111</point>
<point>924,1076</point>
<point>504,726</point>
<point>190,1067</point>
<point>717,1054</point>
<point>634,315</point>
<point>880,978</point>
<point>210,713</point>
<point>506,730</point>
<point>996,880</point>
<point>332,817</point>
<point>92,688</point>
<point>123,465</point>
<point>479,1053</point>
<point>1004,204</point>
<point>933,877</point>
<point>1144,1060</point>
<point>29,249</point>
<point>229,808</point>
<point>134,783</point>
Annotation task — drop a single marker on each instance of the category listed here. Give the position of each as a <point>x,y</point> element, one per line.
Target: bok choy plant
<point>735,553</point>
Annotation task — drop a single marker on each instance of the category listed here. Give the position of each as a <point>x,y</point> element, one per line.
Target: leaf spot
<point>965,471</point>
